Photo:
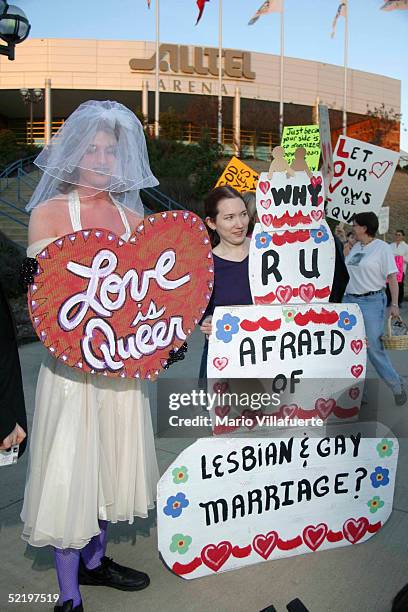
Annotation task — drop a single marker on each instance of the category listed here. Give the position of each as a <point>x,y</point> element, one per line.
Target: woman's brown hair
<point>225,192</point>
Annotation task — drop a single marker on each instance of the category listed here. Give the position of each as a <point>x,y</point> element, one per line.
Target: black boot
<point>67,606</point>
<point>113,575</point>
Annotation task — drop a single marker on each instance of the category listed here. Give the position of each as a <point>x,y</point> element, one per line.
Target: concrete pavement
<point>361,578</point>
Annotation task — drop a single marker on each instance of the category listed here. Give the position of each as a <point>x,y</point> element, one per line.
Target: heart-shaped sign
<point>222,411</point>
<point>380,168</point>
<point>266,203</point>
<point>117,308</point>
<point>289,410</point>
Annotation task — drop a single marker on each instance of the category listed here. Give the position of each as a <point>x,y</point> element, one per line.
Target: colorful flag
<point>393,5</point>
<point>201,5</point>
<point>270,6</point>
<point>341,12</point>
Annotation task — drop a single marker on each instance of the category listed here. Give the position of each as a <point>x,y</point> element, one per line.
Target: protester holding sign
<point>92,452</point>
<point>227,220</point>
<point>400,249</point>
<point>370,263</point>
<point>13,420</point>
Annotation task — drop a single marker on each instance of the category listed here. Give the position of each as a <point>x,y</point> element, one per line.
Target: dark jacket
<point>341,275</point>
<point>12,407</point>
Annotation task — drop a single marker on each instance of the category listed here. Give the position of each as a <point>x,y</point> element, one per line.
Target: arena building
<point>71,71</point>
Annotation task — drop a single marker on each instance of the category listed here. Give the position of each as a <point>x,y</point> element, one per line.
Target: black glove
<point>176,355</point>
<point>29,267</point>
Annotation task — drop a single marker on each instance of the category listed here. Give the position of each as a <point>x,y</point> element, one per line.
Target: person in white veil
<point>92,456</point>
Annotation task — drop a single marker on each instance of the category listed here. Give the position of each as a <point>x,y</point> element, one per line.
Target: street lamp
<point>14,28</point>
<point>31,97</point>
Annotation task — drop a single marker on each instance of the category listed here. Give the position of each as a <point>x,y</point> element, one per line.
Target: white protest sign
<point>291,266</point>
<point>326,143</point>
<point>313,355</point>
<point>224,504</point>
<point>362,174</point>
<point>284,203</point>
<point>383,219</point>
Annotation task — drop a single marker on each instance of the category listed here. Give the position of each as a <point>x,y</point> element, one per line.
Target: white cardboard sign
<point>383,219</point>
<point>290,203</point>
<point>326,143</point>
<point>362,174</point>
<point>312,355</point>
<point>224,504</point>
<point>290,267</point>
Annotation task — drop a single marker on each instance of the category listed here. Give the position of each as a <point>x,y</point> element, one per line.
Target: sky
<point>378,39</point>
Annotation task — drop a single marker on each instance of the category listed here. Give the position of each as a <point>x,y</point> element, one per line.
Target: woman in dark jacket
<point>13,420</point>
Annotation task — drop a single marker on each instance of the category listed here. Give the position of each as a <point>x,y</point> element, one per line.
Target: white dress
<point>92,449</point>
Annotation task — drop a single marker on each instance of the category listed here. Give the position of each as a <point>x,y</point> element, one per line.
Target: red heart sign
<point>289,410</point>
<point>284,293</point>
<point>356,346</point>
<point>264,544</point>
<point>222,411</point>
<point>356,370</point>
<point>267,220</point>
<point>355,529</point>
<point>380,168</point>
<point>214,556</point>
<point>264,186</point>
<point>307,292</point>
<point>325,407</point>
<point>316,214</point>
<point>117,308</point>
<point>266,203</point>
<point>313,536</point>
<point>220,362</point>
<point>354,393</point>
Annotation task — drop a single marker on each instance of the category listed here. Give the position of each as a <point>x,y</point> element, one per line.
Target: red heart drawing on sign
<point>264,186</point>
<point>222,411</point>
<point>313,536</point>
<point>356,370</point>
<point>315,180</point>
<point>380,168</point>
<point>220,387</point>
<point>214,556</point>
<point>355,529</point>
<point>220,363</point>
<point>316,214</point>
<point>284,293</point>
<point>307,292</point>
<point>356,346</point>
<point>320,200</point>
<point>354,393</point>
<point>266,203</point>
<point>325,407</point>
<point>289,410</point>
<point>264,544</point>
<point>267,220</point>
<point>143,297</point>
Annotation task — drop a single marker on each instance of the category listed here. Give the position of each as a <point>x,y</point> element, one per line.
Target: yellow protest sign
<point>238,175</point>
<point>307,136</point>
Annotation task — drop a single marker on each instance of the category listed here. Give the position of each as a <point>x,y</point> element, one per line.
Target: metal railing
<point>17,172</point>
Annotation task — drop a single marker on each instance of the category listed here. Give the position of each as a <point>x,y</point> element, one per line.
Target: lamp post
<point>14,28</point>
<point>31,97</point>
